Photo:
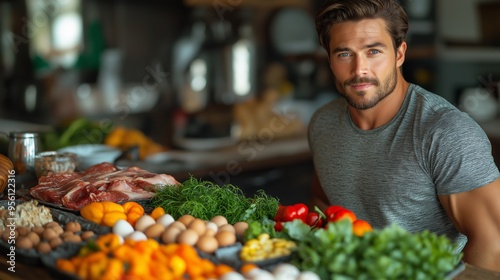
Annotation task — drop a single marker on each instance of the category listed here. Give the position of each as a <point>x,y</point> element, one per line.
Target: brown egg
<point>240,228</point>
<point>39,230</point>
<point>227,227</point>
<point>198,225</point>
<point>55,242</point>
<point>178,225</point>
<point>6,235</point>
<point>57,228</point>
<point>43,247</point>
<point>225,238</point>
<point>66,234</point>
<point>24,243</point>
<point>154,231</point>
<point>73,227</point>
<point>188,236</point>
<point>186,219</point>
<point>49,234</point>
<point>72,238</point>
<point>86,235</point>
<point>144,222</point>
<point>219,220</point>
<point>51,224</point>
<point>209,232</point>
<point>207,244</point>
<point>22,231</point>
<point>170,235</point>
<point>34,237</point>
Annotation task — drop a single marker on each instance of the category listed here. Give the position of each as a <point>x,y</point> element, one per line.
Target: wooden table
<point>41,273</point>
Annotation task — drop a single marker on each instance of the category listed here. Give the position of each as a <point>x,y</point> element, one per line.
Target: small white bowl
<point>92,154</point>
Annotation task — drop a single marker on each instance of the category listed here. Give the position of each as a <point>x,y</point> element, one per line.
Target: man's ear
<point>400,54</point>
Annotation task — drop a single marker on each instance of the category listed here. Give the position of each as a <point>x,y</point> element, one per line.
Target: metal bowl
<point>55,162</point>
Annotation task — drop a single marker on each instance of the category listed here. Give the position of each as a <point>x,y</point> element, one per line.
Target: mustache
<point>361,80</point>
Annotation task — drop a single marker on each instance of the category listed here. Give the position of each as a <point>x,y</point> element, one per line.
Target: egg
<point>178,225</point>
<point>198,225</point>
<point>227,227</point>
<point>186,219</point>
<point>154,231</point>
<point>144,222</point>
<point>34,237</point>
<point>232,275</point>
<point>86,235</point>
<point>122,228</point>
<point>207,244</point>
<point>212,226</point>
<point>54,242</point>
<point>24,243</point>
<point>137,236</point>
<point>285,271</point>
<point>73,238</point>
<point>23,231</point>
<point>49,233</point>
<point>240,228</point>
<point>43,247</point>
<point>170,235</point>
<point>219,220</point>
<point>188,236</point>
<point>225,238</point>
<point>73,227</point>
<point>165,220</point>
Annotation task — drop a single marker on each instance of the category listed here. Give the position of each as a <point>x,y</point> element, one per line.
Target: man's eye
<point>374,51</point>
<point>343,54</point>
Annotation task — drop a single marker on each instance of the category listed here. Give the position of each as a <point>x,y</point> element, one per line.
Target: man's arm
<point>318,197</point>
<point>476,214</point>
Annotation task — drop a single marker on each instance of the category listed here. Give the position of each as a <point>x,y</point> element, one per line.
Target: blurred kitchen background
<point>209,69</point>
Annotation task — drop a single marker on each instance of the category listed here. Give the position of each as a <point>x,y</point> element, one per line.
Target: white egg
<point>213,226</point>
<point>137,236</point>
<point>232,275</point>
<point>122,228</point>
<point>260,274</point>
<point>308,275</point>
<point>165,220</point>
<point>144,222</point>
<point>285,271</point>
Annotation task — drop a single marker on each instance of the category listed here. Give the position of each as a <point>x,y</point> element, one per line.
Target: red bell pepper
<point>314,220</point>
<point>296,211</point>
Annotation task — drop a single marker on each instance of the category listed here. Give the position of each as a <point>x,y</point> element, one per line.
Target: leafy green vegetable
<point>79,131</point>
<point>335,252</point>
<point>205,200</point>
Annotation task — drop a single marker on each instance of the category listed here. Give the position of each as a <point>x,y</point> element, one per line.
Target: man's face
<point>363,61</point>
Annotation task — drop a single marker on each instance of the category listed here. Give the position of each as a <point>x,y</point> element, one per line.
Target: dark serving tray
<point>31,256</point>
<point>24,193</point>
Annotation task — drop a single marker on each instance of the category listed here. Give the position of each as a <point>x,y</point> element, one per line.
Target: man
<point>393,152</point>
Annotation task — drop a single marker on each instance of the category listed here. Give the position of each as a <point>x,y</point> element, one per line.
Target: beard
<point>358,101</point>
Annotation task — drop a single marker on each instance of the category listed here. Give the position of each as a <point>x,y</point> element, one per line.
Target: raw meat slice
<point>101,182</point>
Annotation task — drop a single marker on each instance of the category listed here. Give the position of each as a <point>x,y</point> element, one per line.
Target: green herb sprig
<point>205,200</point>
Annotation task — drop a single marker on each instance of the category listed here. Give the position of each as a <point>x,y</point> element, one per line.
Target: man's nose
<point>360,67</point>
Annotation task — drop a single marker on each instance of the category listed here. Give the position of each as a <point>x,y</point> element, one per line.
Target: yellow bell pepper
<point>105,213</point>
<point>134,211</point>
<point>93,212</point>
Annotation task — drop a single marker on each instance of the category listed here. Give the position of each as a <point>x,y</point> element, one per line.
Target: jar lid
<point>23,134</point>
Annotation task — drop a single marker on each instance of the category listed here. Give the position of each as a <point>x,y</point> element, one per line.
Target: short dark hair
<point>338,11</point>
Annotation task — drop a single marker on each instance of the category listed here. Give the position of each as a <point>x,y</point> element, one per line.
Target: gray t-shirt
<point>393,174</point>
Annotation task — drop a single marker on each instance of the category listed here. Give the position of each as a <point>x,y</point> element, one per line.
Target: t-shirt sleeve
<point>459,154</point>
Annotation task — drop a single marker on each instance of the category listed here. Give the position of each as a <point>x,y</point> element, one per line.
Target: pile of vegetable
<point>78,131</point>
<point>335,252</point>
<point>110,258</point>
<point>205,200</point>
